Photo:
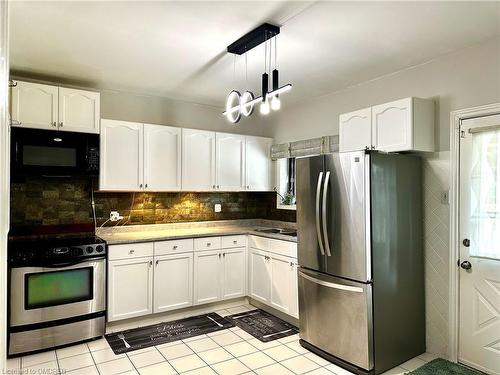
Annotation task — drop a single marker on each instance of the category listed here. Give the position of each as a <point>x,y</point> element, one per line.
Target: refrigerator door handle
<point>318,225</point>
<point>348,288</point>
<point>324,212</point>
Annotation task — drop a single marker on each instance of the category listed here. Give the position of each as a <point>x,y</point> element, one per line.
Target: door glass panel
<point>44,289</point>
<point>485,195</point>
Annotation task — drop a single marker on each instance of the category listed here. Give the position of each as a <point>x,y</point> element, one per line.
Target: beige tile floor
<point>228,352</point>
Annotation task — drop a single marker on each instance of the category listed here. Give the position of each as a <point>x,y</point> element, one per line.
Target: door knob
<point>466,242</point>
<point>466,265</point>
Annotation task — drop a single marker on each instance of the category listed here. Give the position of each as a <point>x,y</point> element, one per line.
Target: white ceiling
<point>177,49</point>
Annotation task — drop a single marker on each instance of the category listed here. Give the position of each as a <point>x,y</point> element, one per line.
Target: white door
<point>34,105</point>
<point>207,276</point>
<point>258,163</point>
<point>355,130</point>
<point>280,283</point>
<point>392,126</point>
<point>173,282</point>
<point>198,160</point>
<point>260,276</point>
<point>130,288</point>
<point>162,158</point>
<point>294,289</point>
<point>234,273</point>
<point>79,110</point>
<point>230,162</point>
<point>479,332</point>
<point>121,155</point>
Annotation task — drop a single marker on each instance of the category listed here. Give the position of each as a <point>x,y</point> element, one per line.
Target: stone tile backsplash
<point>61,201</point>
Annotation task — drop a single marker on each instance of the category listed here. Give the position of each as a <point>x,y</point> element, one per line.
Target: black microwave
<point>50,153</point>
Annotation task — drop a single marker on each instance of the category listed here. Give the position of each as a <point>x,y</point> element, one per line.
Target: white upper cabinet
<point>230,162</point>
<point>79,110</point>
<point>34,105</point>
<point>258,163</point>
<point>355,130</point>
<point>403,125</point>
<point>198,160</point>
<point>121,155</point>
<point>162,158</point>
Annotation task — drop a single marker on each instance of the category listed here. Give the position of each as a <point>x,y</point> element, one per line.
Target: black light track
<point>253,38</point>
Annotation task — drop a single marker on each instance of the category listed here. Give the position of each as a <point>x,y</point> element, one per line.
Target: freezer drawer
<point>336,317</point>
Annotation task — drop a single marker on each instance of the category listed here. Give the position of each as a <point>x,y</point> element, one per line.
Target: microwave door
<point>309,183</point>
<point>346,217</point>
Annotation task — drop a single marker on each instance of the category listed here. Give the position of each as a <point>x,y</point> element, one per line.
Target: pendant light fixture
<point>237,104</point>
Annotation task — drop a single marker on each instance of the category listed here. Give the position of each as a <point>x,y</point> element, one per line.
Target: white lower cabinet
<point>273,281</point>
<point>260,276</point>
<point>155,277</point>
<point>173,282</point>
<point>130,288</point>
<point>207,287</point>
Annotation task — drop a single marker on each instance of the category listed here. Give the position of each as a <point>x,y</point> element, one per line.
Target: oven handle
<point>67,264</point>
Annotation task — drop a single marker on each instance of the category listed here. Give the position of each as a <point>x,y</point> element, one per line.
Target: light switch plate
<point>218,207</point>
<point>445,197</point>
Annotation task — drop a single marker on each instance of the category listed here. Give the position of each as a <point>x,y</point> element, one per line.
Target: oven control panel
<point>20,256</point>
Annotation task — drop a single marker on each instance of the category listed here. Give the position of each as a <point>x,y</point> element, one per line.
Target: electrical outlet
<point>218,207</point>
<point>115,216</point>
<point>445,197</point>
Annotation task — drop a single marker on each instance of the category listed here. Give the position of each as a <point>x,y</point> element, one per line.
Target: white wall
<point>462,79</point>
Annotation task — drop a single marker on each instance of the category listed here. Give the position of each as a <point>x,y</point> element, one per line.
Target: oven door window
<point>44,289</point>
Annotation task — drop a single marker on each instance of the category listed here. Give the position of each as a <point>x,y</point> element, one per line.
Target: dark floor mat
<point>443,367</point>
<point>143,337</point>
<point>262,325</point>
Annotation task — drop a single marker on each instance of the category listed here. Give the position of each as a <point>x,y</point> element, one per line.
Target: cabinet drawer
<point>257,242</point>
<point>285,248</point>
<point>207,243</point>
<point>132,250</point>
<point>173,246</point>
<point>233,241</point>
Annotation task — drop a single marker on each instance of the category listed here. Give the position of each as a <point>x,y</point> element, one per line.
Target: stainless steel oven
<point>57,293</point>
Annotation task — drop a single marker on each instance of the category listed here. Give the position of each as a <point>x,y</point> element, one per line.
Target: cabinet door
<point>79,110</point>
<point>294,289</point>
<point>258,163</point>
<point>260,278</point>
<point>130,288</point>
<point>280,283</point>
<point>207,276</point>
<point>198,160</point>
<point>392,126</point>
<point>230,162</point>
<point>355,130</point>
<point>234,273</point>
<point>121,155</point>
<point>34,105</point>
<point>162,157</point>
<point>173,286</point>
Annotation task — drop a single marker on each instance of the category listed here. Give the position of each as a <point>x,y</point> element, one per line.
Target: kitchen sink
<point>285,232</point>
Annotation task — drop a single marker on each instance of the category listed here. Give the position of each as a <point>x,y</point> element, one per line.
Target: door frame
<point>456,118</point>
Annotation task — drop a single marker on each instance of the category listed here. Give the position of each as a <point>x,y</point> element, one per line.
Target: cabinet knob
<point>219,255</point>
<point>235,242</point>
<point>150,263</point>
<point>131,251</point>
<point>61,124</point>
<point>248,186</point>
<point>213,186</point>
<point>140,185</point>
<point>146,185</point>
<point>156,262</point>
<point>174,247</point>
<point>223,254</point>
<point>209,244</point>
<point>217,186</point>
<point>54,124</point>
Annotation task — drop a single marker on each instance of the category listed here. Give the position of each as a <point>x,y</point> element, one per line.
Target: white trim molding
<point>456,118</point>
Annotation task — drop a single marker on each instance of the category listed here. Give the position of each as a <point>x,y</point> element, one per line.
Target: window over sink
<point>285,184</point>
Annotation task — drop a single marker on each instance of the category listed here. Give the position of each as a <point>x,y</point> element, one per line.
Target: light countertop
<point>162,232</point>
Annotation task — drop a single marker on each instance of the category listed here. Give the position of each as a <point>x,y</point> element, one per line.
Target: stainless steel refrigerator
<point>360,252</point>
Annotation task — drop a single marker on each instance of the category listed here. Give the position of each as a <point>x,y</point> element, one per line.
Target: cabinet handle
<point>209,244</point>
<point>248,186</point>
<point>150,263</point>
<point>140,185</point>
<point>174,247</point>
<point>146,185</point>
<point>219,255</point>
<point>54,124</point>
<point>156,262</point>
<point>217,186</point>
<point>291,264</point>
<point>61,124</point>
<point>235,242</point>
<point>131,251</point>
<point>224,254</point>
